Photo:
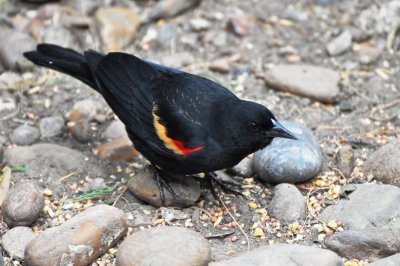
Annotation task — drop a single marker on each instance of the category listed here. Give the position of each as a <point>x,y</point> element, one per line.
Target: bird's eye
<point>253,127</point>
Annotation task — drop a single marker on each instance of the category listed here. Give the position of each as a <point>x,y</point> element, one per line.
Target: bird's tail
<point>66,61</point>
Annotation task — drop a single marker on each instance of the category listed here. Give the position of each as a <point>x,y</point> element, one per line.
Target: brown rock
<point>23,204</point>
<point>80,240</point>
<point>345,160</point>
<point>80,130</point>
<point>220,66</point>
<point>237,26</point>
<point>164,246</point>
<point>117,26</point>
<point>310,81</point>
<point>121,148</point>
<point>144,187</point>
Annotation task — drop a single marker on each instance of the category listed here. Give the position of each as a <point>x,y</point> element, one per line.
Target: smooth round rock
<point>288,204</point>
<point>23,204</point>
<point>164,246</point>
<point>243,168</point>
<point>79,240</point>
<point>144,187</point>
<point>289,161</point>
<point>115,130</point>
<point>15,241</point>
<point>51,126</point>
<point>25,135</point>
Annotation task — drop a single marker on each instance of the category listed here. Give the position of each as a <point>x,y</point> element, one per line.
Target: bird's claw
<point>161,183</point>
<point>214,179</point>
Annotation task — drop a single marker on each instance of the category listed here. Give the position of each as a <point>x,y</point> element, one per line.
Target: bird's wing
<point>164,107</point>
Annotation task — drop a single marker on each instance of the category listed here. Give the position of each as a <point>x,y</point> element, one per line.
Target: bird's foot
<point>230,186</point>
<point>161,183</point>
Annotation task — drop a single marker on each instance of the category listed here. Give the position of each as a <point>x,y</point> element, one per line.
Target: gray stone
<point>393,260</point>
<point>289,161</point>
<point>340,44</point>
<point>384,164</point>
<point>9,80</point>
<point>284,255</point>
<point>167,9</point>
<point>25,135</point>
<point>345,160</point>
<point>243,168</point>
<point>369,206</point>
<point>51,126</point>
<point>371,243</point>
<point>199,24</point>
<point>288,204</point>
<point>167,246</point>
<point>23,204</point>
<point>79,240</point>
<point>310,81</point>
<point>7,105</point>
<point>115,130</point>
<point>178,60</point>
<point>59,35</point>
<point>15,241</point>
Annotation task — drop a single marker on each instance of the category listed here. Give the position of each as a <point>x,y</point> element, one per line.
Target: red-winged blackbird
<point>182,123</point>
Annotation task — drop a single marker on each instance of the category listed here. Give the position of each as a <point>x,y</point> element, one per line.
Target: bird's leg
<point>161,183</point>
<point>214,179</point>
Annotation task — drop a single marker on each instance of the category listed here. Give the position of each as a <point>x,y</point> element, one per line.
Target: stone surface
<point>393,260</point>
<point>243,168</point>
<point>371,243</point>
<point>340,44</point>
<point>80,130</point>
<point>289,161</point>
<point>117,26</point>
<point>115,130</point>
<point>345,160</point>
<point>288,204</point>
<point>10,80</point>
<point>167,9</point>
<point>25,135</point>
<point>284,255</point>
<point>22,204</point>
<point>384,164</point>
<point>369,206</point>
<point>84,110</point>
<point>144,187</point>
<point>15,241</point>
<point>7,106</point>
<point>59,35</point>
<point>118,149</point>
<point>51,126</point>
<point>79,240</point>
<point>11,54</point>
<point>167,246</point>
<point>310,81</point>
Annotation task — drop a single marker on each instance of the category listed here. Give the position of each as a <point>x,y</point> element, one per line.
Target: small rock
<point>95,184</point>
<point>22,204</point>
<point>117,149</point>
<point>10,80</point>
<point>310,81</point>
<point>79,240</point>
<point>80,130</point>
<point>178,60</point>
<point>7,105</point>
<point>10,54</point>
<point>199,24</point>
<point>144,187</point>
<point>115,130</point>
<point>393,260</point>
<point>220,66</point>
<point>59,35</point>
<point>167,246</point>
<point>340,44</point>
<point>165,34</point>
<point>284,254</point>
<point>237,26</point>
<point>167,9</point>
<point>25,135</point>
<point>51,126</point>
<point>369,54</point>
<point>345,160</point>
<point>15,241</point>
<point>117,26</point>
<point>384,164</point>
<point>85,109</point>
<point>243,168</point>
<point>289,161</point>
<point>288,204</point>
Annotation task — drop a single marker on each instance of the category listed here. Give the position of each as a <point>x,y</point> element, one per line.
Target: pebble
<point>384,164</point>
<point>289,161</point>
<point>79,240</point>
<point>244,168</point>
<point>59,35</point>
<point>84,110</point>
<point>340,44</point>
<point>237,26</point>
<point>178,60</point>
<point>167,9</point>
<point>167,246</point>
<point>220,66</point>
<point>345,160</point>
<point>10,80</point>
<point>118,149</point>
<point>15,241</point>
<point>165,34</point>
<point>51,126</point>
<point>393,260</point>
<point>95,184</point>
<point>7,105</point>
<point>369,54</point>
<point>10,54</point>
<point>199,24</point>
<point>284,254</point>
<point>314,82</point>
<point>115,130</point>
<point>117,27</point>
<point>23,204</point>
<point>25,135</point>
<point>288,204</point>
<point>144,187</point>
<point>80,130</point>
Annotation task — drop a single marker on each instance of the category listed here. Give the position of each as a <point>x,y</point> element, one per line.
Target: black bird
<point>182,123</point>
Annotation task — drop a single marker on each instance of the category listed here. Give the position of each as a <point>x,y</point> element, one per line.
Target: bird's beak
<point>279,131</point>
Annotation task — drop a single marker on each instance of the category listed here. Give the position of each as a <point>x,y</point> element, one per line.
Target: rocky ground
<point>75,192</point>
